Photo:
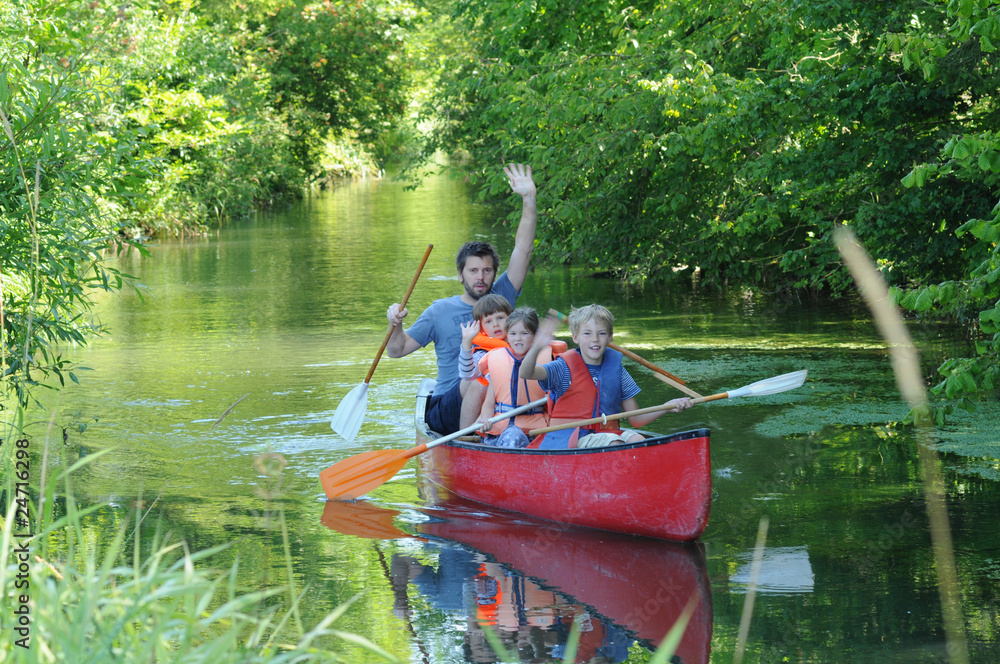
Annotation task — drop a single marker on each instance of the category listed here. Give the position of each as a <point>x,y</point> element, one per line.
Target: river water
<point>282,314</point>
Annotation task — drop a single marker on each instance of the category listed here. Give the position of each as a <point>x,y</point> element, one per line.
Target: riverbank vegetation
<point>723,139</point>
<point>124,121</point>
<point>730,139</point>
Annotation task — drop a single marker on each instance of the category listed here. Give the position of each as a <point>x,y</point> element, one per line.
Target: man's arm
<point>521,183</point>
<point>400,343</point>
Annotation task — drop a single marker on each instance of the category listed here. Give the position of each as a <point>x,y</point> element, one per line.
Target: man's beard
<point>473,294</point>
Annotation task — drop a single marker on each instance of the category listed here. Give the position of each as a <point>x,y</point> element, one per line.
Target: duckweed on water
<point>810,418</point>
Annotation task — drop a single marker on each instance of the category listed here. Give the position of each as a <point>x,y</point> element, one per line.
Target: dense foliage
<point>970,157</point>
<point>734,137</point>
<point>725,137</point>
<point>338,67</point>
<point>68,164</point>
<point>122,121</point>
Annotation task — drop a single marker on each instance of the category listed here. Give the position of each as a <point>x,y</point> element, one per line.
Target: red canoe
<point>660,487</point>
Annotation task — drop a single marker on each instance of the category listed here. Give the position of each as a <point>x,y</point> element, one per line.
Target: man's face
<point>478,276</point>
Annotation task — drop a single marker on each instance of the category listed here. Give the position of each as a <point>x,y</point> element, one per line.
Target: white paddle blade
<point>782,383</point>
<point>351,413</point>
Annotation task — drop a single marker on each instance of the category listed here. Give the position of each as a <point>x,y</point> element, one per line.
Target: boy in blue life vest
<point>485,332</point>
<point>587,382</point>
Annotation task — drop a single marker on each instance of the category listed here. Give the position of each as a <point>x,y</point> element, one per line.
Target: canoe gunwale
<point>652,440</point>
<point>657,439</point>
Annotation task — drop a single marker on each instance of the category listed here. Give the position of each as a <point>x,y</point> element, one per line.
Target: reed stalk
<point>906,366</point>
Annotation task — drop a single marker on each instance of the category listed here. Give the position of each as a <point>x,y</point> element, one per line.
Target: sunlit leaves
<point>970,156</point>
<point>338,67</point>
<point>718,135</point>
<point>67,163</point>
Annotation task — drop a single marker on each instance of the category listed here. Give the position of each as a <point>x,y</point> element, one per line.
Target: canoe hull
<point>658,488</point>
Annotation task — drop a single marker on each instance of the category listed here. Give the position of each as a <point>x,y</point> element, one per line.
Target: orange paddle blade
<point>361,519</point>
<point>357,475</point>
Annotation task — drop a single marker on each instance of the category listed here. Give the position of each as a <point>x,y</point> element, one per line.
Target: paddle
<point>357,475</point>
<point>782,383</point>
<point>351,411</point>
<point>659,372</point>
<point>361,519</point>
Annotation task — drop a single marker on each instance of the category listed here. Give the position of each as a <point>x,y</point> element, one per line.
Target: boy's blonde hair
<point>525,315</point>
<point>601,316</point>
<point>490,304</point>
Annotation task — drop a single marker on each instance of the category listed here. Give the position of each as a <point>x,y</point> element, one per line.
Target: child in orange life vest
<point>507,390</point>
<point>587,382</point>
<point>487,330</point>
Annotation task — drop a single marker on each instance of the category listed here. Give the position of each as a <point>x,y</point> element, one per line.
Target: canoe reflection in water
<point>529,580</point>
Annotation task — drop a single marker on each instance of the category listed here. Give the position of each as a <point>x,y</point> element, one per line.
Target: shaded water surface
<point>286,312</point>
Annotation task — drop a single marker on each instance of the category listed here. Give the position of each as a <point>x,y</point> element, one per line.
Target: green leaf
<point>946,293</point>
<point>962,149</point>
<point>990,161</point>
<point>924,301</point>
<point>990,315</point>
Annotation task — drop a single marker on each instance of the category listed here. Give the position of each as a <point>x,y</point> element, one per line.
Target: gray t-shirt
<point>441,323</point>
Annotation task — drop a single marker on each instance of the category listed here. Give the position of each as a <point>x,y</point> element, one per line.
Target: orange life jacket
<point>503,367</point>
<point>483,341</point>
<point>583,400</point>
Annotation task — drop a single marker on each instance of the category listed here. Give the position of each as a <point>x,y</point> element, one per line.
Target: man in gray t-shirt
<point>440,323</point>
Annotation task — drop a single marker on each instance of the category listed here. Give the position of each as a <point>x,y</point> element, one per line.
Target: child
<point>587,382</point>
<point>507,390</point>
<point>485,332</point>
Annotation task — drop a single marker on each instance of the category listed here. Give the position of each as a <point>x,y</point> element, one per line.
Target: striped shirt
<point>557,379</point>
<point>468,363</point>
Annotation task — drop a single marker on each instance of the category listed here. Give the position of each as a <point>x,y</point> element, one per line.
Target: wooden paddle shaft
<point>628,413</point>
<point>402,304</point>
<point>659,372</point>
<point>500,417</point>
<point>713,397</point>
<point>602,419</point>
<point>646,363</point>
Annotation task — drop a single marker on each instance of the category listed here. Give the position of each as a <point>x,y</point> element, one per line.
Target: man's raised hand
<point>519,178</point>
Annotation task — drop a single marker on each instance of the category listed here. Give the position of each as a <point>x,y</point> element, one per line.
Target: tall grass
<point>100,602</point>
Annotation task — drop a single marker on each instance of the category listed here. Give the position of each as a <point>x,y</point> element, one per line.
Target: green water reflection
<point>287,310</point>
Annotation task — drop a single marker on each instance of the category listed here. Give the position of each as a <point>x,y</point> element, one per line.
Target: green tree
<point>728,136</point>
<point>338,69</point>
<point>68,167</point>
<point>968,157</point>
